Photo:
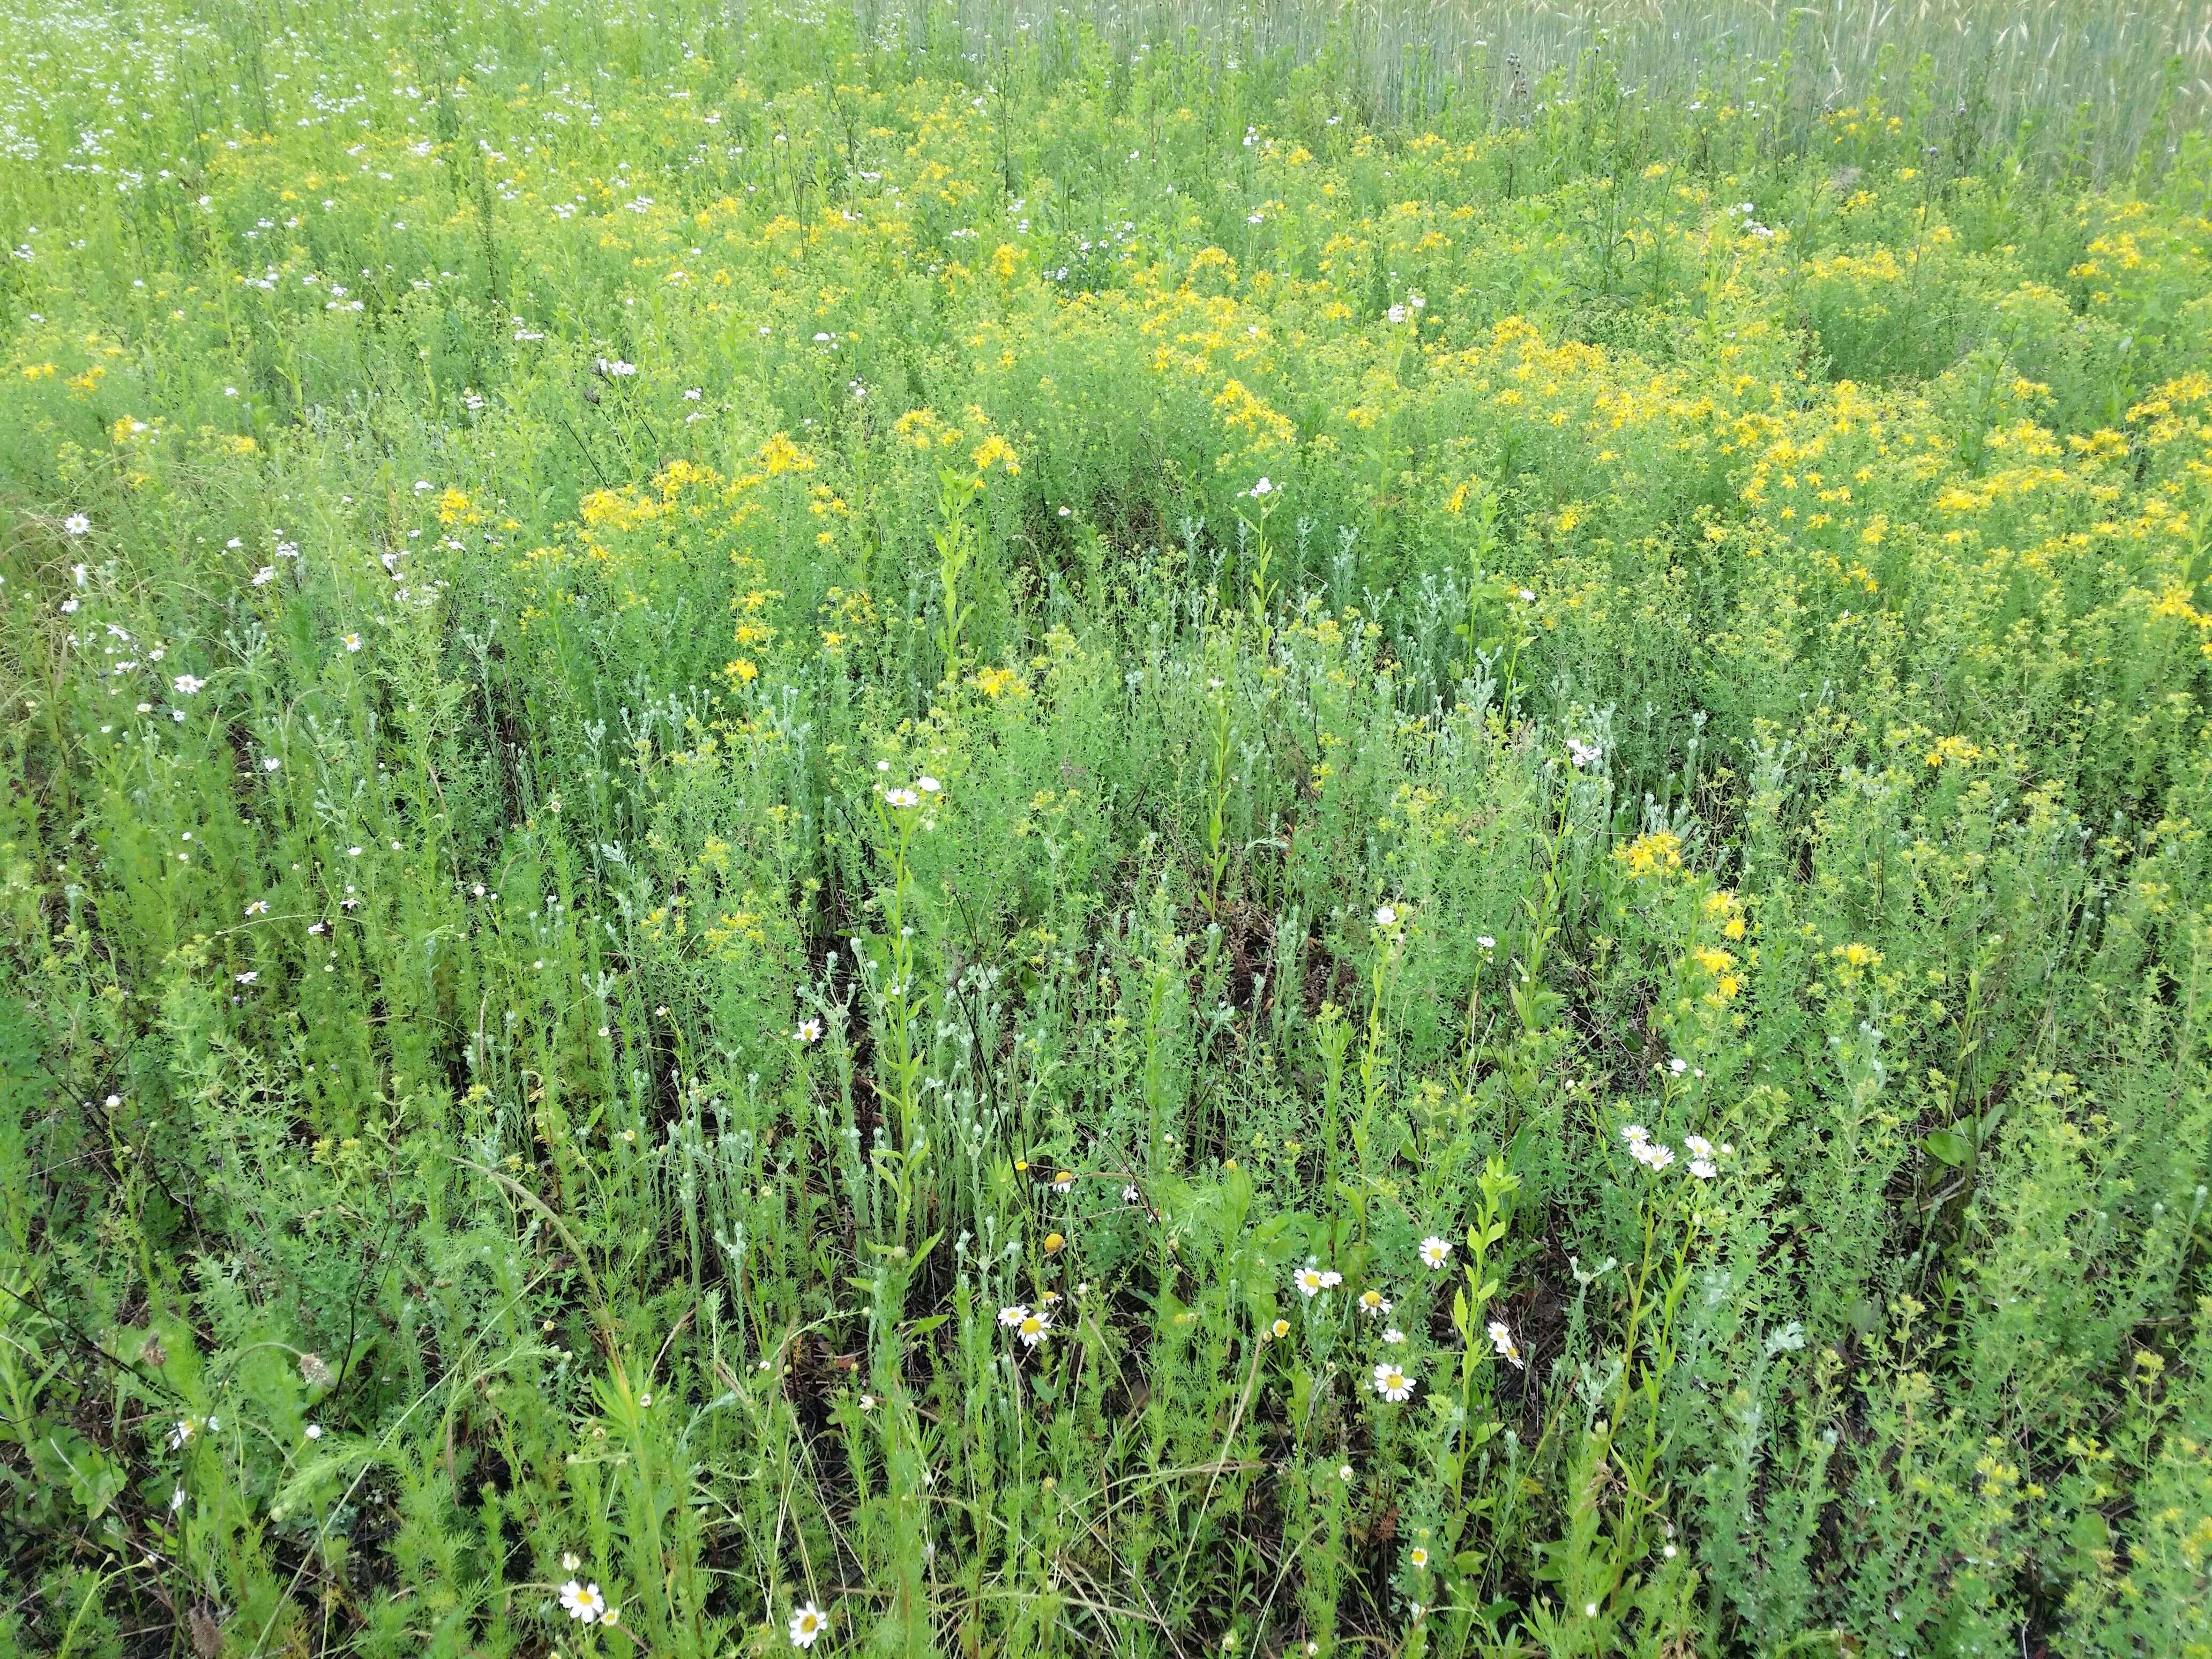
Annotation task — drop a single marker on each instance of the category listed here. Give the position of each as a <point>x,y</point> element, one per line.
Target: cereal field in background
<point>1130,830</point>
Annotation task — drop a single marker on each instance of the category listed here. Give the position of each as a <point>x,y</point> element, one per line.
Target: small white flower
<point>1374,1304</point>
<point>809,1030</point>
<point>583,1601</point>
<point>314,1432</point>
<point>1308,1280</point>
<point>258,908</point>
<point>927,785</point>
<point>1501,1341</point>
<point>1392,1337</point>
<point>807,1625</point>
<point>1697,1146</point>
<point>249,976</point>
<point>1012,1313</point>
<point>352,641</point>
<point>1392,1382</point>
<point>1635,1134</point>
<point>570,1561</point>
<point>76,524</point>
<point>186,685</point>
<point>1435,1252</point>
<point>1033,1328</point>
<point>265,576</point>
<point>1704,1168</point>
<point>1063,1180</point>
<point>1330,1279</point>
<point>901,797</point>
<point>1485,941</point>
<point>270,763</point>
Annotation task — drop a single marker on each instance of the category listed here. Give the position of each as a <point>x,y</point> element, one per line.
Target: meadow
<point>993,830</point>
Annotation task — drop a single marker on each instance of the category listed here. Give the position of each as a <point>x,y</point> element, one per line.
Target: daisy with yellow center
<point>806,1625</point>
<point>583,1601</point>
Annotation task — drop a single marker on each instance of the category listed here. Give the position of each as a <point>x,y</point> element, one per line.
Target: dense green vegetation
<point>1082,836</point>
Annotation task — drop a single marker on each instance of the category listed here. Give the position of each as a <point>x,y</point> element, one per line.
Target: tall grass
<point>2075,83</point>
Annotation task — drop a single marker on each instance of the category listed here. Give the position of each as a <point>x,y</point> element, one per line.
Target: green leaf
<point>65,1457</point>
<point>1949,1146</point>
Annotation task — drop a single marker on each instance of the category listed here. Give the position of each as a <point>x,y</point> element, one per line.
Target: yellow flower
<point>995,450</point>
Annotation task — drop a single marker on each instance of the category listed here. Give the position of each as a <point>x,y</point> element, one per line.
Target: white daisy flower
<point>1501,1339</point>
<point>583,1601</point>
<point>807,1625</point>
<point>1435,1252</point>
<point>1392,1382</point>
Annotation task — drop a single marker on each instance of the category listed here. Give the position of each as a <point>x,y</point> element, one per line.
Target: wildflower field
<point>1105,832</point>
